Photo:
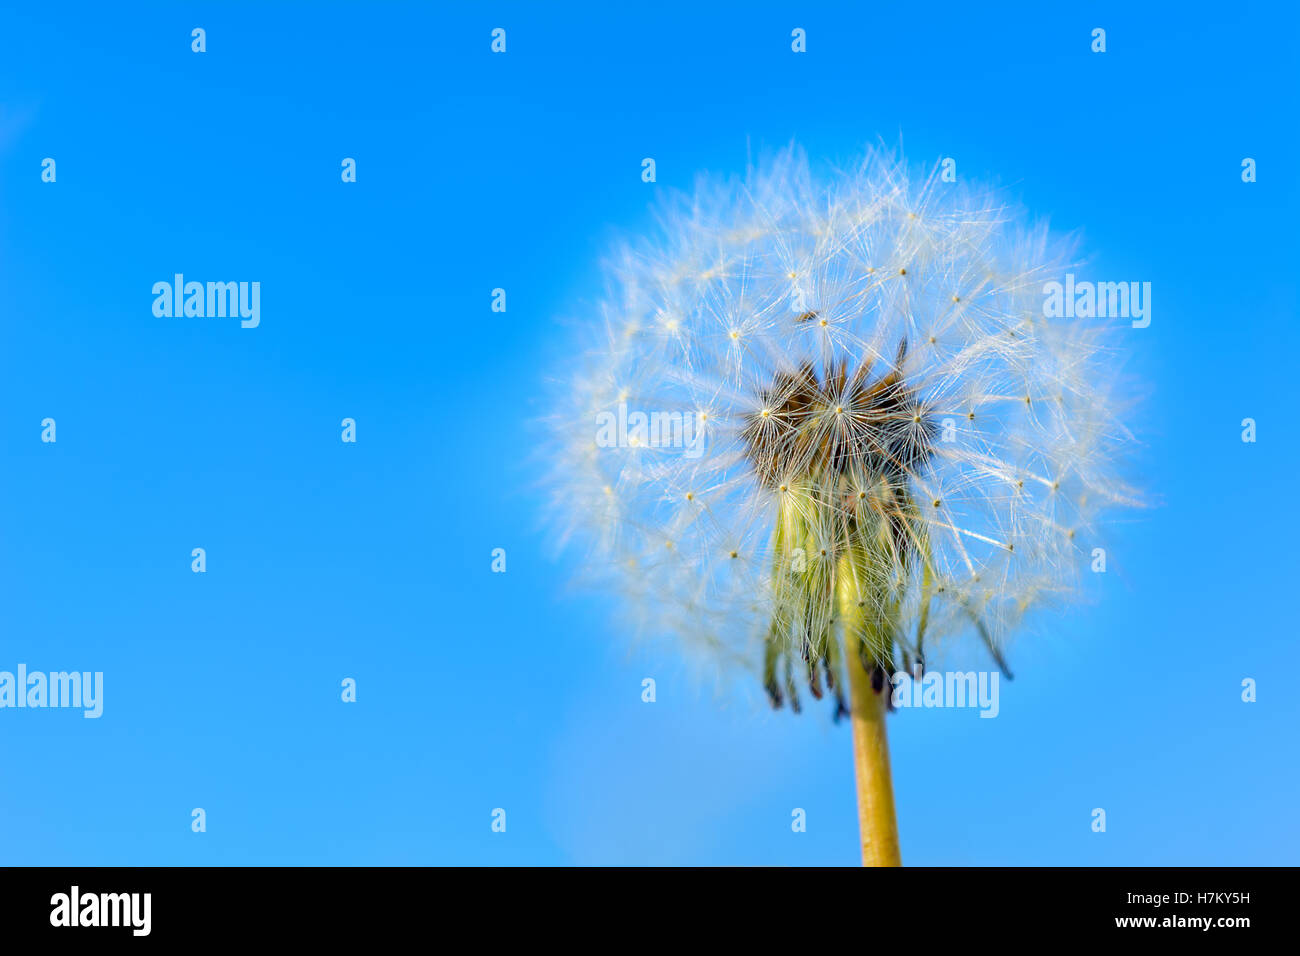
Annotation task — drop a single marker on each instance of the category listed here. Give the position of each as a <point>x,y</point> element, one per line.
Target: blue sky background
<point>481,690</point>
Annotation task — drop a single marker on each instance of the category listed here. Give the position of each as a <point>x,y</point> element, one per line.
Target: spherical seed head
<point>826,432</point>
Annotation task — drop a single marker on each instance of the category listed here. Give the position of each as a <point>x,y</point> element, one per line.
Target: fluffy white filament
<point>750,279</point>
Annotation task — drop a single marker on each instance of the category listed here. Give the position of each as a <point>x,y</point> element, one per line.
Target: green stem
<point>877,820</point>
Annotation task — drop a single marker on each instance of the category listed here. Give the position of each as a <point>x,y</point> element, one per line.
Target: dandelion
<point>878,442</point>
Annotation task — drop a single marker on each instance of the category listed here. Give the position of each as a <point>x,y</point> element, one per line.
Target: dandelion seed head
<point>948,486</point>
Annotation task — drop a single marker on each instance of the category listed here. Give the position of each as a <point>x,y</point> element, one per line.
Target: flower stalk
<point>877,822</point>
